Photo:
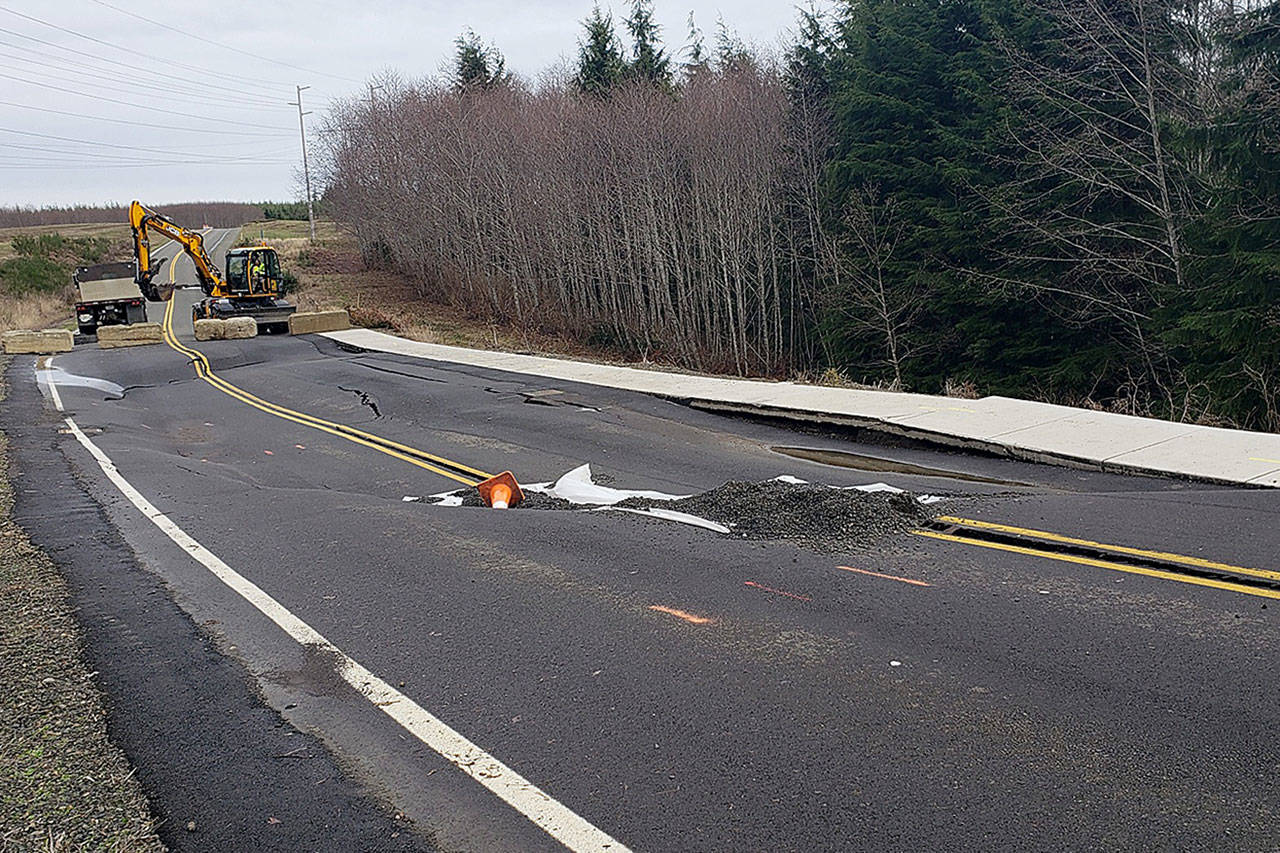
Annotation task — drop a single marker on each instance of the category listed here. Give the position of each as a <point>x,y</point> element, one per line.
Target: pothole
<point>859,462</point>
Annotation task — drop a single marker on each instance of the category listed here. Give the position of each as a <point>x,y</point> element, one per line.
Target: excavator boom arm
<point>144,220</point>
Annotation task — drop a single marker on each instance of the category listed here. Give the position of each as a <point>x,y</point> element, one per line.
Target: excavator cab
<point>253,271</point>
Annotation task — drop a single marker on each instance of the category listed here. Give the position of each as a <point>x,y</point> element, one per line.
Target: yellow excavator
<point>250,288</point>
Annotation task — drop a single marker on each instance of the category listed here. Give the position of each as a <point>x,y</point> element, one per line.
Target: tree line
<point>219,214</point>
<point>1073,200</point>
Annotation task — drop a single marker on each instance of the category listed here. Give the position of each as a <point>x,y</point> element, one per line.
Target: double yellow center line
<point>964,528</point>
<point>455,471</point>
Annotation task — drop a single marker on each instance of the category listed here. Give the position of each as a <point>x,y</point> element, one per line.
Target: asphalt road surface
<point>598,680</point>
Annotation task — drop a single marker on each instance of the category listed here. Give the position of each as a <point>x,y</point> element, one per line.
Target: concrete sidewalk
<point>1022,429</point>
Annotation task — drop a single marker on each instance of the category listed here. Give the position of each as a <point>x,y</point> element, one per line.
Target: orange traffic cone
<point>501,492</point>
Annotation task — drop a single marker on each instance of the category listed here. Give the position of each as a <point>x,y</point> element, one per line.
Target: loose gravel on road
<point>63,785</point>
<point>814,516</point>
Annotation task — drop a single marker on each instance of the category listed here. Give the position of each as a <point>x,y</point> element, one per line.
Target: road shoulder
<point>66,785</point>
<point>221,769</point>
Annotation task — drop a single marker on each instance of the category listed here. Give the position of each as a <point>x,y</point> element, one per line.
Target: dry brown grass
<point>36,311</point>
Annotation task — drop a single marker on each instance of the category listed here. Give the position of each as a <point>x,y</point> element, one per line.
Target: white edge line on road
<point>551,816</point>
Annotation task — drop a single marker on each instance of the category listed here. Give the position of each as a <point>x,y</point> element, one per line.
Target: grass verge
<point>36,266</point>
<point>63,785</point>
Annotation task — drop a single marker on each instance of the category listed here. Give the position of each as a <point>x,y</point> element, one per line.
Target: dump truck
<point>108,295</point>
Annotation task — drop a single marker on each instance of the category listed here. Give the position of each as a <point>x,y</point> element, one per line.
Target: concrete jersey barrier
<point>135,335</point>
<point>233,329</point>
<point>37,341</point>
<point>313,322</point>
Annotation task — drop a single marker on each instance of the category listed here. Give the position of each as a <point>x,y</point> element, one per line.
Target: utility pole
<point>306,168</point>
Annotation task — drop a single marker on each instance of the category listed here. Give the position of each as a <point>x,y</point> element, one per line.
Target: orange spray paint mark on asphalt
<point>886,577</point>
<point>681,614</point>
<point>764,588</point>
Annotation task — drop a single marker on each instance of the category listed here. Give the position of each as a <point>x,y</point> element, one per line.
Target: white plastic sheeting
<point>58,376</point>
<point>577,487</point>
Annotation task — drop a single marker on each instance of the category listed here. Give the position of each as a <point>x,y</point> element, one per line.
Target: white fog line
<point>548,814</point>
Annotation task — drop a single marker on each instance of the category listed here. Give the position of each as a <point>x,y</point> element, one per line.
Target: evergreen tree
<point>475,64</point>
<point>912,106</point>
<point>649,61</point>
<point>695,52</point>
<point>600,62</point>
<point>1225,331</point>
<point>731,52</point>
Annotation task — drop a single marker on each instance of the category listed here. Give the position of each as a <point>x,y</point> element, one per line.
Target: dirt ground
<point>63,785</point>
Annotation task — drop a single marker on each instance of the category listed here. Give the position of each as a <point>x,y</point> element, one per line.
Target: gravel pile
<point>532,500</point>
<point>811,515</point>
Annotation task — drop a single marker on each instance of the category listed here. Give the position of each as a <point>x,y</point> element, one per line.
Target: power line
<point>128,50</point>
<point>60,154</point>
<point>84,117</point>
<point>122,86</point>
<point>220,44</point>
<point>117,161</point>
<point>130,104</point>
<point>148,165</point>
<point>92,142</point>
<point>131,68</point>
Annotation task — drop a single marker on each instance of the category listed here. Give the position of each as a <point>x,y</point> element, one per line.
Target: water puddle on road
<point>859,462</point>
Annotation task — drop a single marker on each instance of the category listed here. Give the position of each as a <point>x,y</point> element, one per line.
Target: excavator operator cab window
<point>237,273</point>
<point>264,268</point>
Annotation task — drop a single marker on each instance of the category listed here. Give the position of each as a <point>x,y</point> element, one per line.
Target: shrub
<point>288,283</point>
<point>25,275</point>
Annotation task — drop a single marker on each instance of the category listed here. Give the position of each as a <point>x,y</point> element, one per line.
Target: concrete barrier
<point>240,328</point>
<point>135,335</point>
<point>231,329</point>
<point>37,341</point>
<point>211,330</point>
<point>312,322</point>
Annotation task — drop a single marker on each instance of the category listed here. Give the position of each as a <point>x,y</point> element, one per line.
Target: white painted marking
<point>548,814</point>
<point>52,386</point>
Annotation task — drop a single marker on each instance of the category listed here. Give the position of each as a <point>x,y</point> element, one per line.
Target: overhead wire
<point>199,37</point>
<point>130,104</point>
<point>243,133</point>
<point>126,86</point>
<point>133,70</point>
<point>89,142</point>
<point>131,51</point>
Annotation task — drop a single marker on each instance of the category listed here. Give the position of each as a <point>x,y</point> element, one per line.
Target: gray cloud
<point>342,43</point>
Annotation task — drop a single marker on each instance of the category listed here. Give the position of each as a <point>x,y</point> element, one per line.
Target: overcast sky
<point>66,101</point>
